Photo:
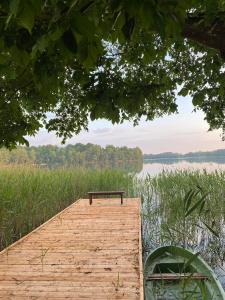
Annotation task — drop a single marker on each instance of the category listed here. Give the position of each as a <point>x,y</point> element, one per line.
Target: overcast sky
<point>183,132</point>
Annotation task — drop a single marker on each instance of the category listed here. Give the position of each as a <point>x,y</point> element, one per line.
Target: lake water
<point>156,166</point>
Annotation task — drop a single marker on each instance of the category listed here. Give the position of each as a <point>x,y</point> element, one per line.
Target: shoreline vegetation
<point>187,209</point>
<point>181,208</point>
<point>93,156</point>
<point>78,155</point>
<point>194,156</point>
<point>30,196</point>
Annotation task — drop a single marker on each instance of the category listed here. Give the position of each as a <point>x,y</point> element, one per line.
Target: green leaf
<point>56,34</point>
<point>191,259</point>
<point>188,198</point>
<point>37,5</point>
<point>82,25</point>
<point>196,205</point>
<point>184,92</point>
<point>83,49</point>
<point>13,10</point>
<point>203,203</point>
<point>27,16</point>
<point>40,46</point>
<point>211,229</point>
<point>203,287</point>
<point>21,56</point>
<point>198,98</point>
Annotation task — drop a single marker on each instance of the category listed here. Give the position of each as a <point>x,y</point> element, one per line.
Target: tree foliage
<point>119,60</point>
<point>78,155</point>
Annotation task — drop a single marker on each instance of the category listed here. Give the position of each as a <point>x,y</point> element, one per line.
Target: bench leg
<point>90,199</point>
<point>121,199</point>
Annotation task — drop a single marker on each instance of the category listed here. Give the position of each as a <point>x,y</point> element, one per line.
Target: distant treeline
<point>71,155</point>
<point>195,155</point>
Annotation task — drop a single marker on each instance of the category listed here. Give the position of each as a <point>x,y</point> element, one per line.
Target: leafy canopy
<point>118,59</point>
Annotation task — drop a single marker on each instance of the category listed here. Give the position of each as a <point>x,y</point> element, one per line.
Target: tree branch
<point>210,35</point>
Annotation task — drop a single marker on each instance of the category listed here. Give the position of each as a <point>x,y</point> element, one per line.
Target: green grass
<point>30,196</point>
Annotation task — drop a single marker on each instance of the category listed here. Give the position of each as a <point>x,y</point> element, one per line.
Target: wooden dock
<point>84,252</point>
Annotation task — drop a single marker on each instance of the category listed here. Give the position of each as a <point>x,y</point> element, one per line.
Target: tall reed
<point>30,196</point>
<point>185,208</point>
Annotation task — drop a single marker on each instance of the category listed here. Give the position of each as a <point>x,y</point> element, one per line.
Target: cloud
<point>101,130</point>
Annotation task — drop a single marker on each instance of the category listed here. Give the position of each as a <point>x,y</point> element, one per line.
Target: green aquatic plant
<point>29,196</point>
<point>185,208</point>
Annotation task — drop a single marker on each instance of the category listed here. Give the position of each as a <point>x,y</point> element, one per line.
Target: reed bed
<point>185,208</point>
<point>29,196</point>
<point>179,208</point>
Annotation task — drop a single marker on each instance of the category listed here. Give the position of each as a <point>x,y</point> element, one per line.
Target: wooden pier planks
<point>84,252</point>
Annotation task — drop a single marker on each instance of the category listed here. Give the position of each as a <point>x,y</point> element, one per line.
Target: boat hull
<point>176,273</point>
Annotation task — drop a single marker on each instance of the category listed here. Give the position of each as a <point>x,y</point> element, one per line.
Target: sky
<point>183,132</point>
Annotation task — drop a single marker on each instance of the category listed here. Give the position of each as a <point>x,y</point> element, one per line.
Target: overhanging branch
<point>210,35</point>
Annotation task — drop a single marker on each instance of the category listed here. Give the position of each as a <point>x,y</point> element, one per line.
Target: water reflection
<point>128,166</point>
<point>132,166</point>
<point>154,167</point>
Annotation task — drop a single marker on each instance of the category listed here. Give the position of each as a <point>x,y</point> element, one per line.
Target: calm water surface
<point>154,167</point>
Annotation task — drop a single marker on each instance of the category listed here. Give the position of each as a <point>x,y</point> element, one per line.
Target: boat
<point>172,272</point>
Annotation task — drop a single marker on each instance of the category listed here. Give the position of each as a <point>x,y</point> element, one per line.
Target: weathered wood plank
<point>50,276</point>
<point>176,276</point>
<point>84,252</point>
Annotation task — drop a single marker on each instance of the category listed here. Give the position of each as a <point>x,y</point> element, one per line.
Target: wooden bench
<point>91,194</point>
